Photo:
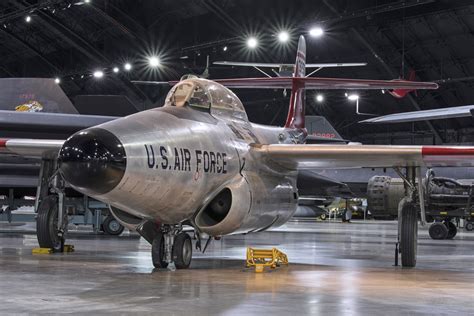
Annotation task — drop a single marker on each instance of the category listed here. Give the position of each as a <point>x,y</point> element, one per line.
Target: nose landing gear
<point>50,231</point>
<point>52,218</point>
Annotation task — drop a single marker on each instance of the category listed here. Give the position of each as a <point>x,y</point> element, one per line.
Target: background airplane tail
<point>401,93</point>
<point>295,117</point>
<point>34,95</point>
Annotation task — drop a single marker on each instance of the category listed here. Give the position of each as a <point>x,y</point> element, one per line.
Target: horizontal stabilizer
<point>415,116</point>
<point>275,65</point>
<point>323,83</point>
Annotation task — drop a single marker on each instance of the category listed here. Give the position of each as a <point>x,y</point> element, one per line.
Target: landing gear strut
<point>408,215</point>
<point>171,244</point>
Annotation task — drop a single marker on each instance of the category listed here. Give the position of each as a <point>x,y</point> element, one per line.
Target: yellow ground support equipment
<point>260,258</point>
<point>46,251</point>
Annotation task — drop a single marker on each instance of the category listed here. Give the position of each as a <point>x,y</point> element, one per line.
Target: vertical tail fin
<point>295,117</point>
<point>33,95</point>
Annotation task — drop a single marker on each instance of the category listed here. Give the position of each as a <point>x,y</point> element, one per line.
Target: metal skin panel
<point>159,188</point>
<point>171,191</point>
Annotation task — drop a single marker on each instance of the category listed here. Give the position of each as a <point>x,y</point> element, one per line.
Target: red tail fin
<point>295,117</point>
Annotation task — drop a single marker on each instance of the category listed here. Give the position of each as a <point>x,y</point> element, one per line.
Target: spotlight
<point>57,80</point>
<point>283,36</point>
<point>28,19</point>
<point>316,32</point>
<point>319,98</point>
<point>224,48</point>
<point>252,42</point>
<point>153,61</point>
<point>98,74</point>
<point>127,66</point>
<point>116,69</point>
<point>87,1</point>
<point>353,97</point>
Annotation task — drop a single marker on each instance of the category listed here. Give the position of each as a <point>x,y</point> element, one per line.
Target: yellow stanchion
<point>261,258</point>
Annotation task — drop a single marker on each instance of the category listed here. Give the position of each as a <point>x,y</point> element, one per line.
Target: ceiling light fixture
<point>316,32</point>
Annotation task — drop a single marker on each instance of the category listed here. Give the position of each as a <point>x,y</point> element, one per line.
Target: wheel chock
<point>261,258</point>
<point>68,248</point>
<point>42,251</point>
<point>47,251</point>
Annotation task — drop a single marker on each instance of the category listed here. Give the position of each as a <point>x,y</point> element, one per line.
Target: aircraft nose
<point>93,161</point>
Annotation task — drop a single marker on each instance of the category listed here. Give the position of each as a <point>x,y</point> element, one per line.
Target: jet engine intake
<point>125,219</point>
<point>225,212</point>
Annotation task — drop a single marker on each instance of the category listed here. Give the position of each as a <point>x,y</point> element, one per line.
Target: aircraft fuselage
<point>179,159</point>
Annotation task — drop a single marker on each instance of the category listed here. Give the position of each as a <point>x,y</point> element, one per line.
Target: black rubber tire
<point>323,216</point>
<point>47,223</point>
<point>182,251</point>
<point>158,251</point>
<point>409,235</point>
<point>438,231</point>
<point>452,230</point>
<point>111,226</point>
<point>469,226</point>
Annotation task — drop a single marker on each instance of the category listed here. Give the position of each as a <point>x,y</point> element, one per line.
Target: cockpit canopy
<point>208,96</point>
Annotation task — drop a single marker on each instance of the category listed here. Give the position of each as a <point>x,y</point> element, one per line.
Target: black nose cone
<point>93,161</point>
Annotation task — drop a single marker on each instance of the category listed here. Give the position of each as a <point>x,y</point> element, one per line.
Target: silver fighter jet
<point>198,161</point>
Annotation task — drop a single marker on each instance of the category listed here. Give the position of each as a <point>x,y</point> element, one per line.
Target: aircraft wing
<point>365,156</point>
<point>323,83</point>
<point>31,148</point>
<point>275,65</point>
<point>37,121</point>
<point>436,114</point>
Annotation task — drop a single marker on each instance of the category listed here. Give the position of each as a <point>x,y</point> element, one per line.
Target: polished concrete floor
<point>335,269</point>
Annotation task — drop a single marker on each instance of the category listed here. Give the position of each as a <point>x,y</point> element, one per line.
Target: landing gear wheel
<point>469,226</point>
<point>182,251</point>
<point>323,216</point>
<point>47,229</point>
<point>158,251</point>
<point>452,230</point>
<point>438,231</point>
<point>409,235</point>
<point>111,226</point>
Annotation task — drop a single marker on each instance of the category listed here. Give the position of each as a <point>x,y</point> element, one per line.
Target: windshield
<point>189,94</point>
<point>206,96</point>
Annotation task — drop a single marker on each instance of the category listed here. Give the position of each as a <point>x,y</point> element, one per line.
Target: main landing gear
<point>169,245</point>
<point>408,208</point>
<point>443,230</point>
